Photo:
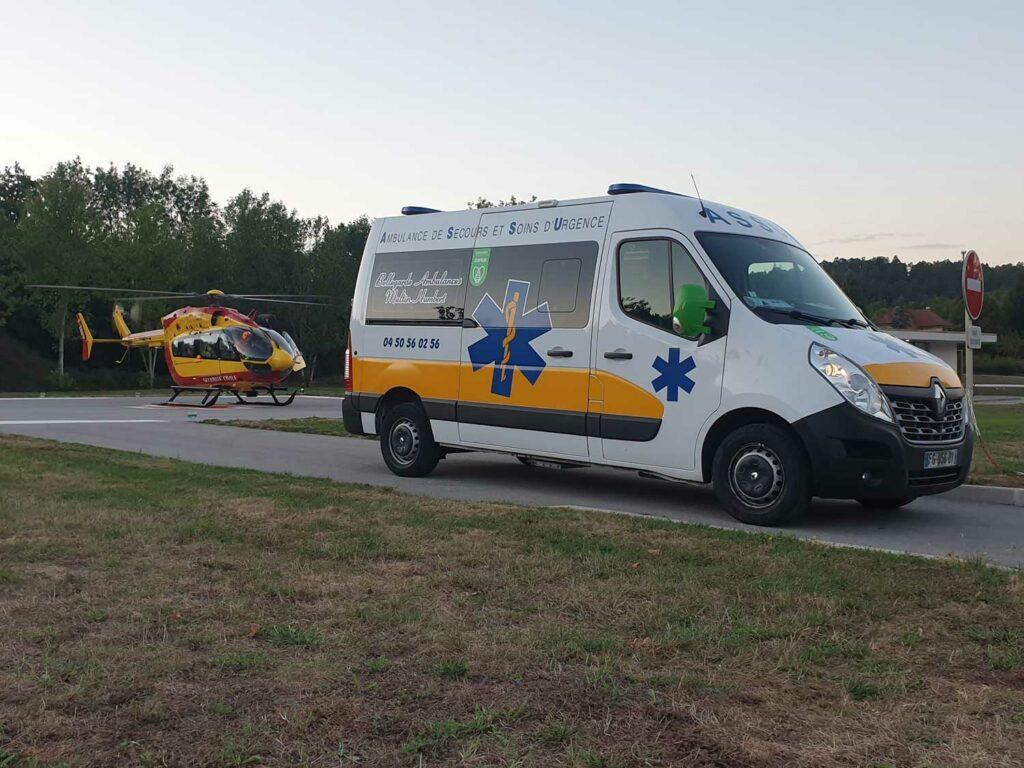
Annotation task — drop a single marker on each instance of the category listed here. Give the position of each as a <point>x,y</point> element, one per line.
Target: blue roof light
<point>416,210</point>
<point>631,189</point>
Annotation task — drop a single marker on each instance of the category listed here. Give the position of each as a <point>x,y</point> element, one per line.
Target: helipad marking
<point>81,421</point>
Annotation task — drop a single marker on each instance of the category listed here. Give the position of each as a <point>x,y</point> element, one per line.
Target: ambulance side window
<point>418,287</point>
<point>684,270</point>
<point>559,283</point>
<point>645,282</point>
<point>560,275</point>
<point>651,273</point>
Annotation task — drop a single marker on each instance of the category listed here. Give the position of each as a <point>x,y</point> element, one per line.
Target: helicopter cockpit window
<point>206,346</point>
<point>290,340</point>
<point>225,349</point>
<point>251,343</point>
<point>284,341</point>
<point>186,347</point>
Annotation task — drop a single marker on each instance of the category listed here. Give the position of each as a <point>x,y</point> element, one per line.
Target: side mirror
<point>690,314</point>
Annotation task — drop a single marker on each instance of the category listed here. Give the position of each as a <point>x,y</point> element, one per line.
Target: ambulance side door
<point>527,342</point>
<point>653,390</point>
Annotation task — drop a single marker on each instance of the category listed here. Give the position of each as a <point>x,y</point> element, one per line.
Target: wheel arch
<point>391,398</point>
<point>739,417</point>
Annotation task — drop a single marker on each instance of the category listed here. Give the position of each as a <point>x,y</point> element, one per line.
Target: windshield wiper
<point>799,314</point>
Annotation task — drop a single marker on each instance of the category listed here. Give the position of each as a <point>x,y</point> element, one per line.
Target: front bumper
<point>855,456</point>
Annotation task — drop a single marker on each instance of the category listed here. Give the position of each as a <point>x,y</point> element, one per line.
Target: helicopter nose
<point>281,361</point>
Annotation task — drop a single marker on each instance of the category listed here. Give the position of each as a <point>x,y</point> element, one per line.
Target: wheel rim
<point>756,476</point>
<point>404,442</point>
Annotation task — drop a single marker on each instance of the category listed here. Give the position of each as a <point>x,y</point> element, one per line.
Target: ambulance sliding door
<point>526,346</point>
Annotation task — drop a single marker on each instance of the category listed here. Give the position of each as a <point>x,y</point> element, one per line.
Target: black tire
<point>761,475</point>
<point>407,443</point>
<point>896,503</point>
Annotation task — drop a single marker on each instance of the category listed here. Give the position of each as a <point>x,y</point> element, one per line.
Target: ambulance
<point>647,331</point>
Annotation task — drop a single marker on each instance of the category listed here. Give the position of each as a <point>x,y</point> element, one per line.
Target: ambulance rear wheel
<point>407,443</point>
<point>760,475</point>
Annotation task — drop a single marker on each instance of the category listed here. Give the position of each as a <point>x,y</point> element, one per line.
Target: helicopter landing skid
<point>273,392</point>
<point>210,396</point>
<point>279,395</point>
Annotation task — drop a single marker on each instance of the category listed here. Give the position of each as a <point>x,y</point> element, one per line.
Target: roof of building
<point>919,319</point>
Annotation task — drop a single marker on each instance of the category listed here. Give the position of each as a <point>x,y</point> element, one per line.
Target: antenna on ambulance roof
<point>703,212</point>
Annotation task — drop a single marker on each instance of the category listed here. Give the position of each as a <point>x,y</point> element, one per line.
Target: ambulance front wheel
<point>407,443</point>
<point>761,476</point>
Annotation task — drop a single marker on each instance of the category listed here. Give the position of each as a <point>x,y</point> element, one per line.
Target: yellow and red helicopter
<point>211,349</point>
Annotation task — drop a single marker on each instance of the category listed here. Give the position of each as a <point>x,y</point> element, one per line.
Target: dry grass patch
<point>1002,429</point>
<point>164,613</point>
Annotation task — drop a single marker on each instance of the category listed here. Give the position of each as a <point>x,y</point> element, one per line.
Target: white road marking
<point>35,398</point>
<point>83,421</point>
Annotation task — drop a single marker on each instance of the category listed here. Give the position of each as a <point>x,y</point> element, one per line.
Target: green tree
<point>15,187</point>
<point>57,242</point>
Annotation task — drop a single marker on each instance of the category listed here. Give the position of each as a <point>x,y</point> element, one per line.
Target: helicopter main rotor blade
<point>107,290</point>
<point>280,295</point>
<point>281,301</point>
<point>169,297</point>
<point>208,299</point>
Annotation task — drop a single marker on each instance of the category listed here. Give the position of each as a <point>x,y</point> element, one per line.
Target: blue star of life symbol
<point>673,374</point>
<point>509,330</point>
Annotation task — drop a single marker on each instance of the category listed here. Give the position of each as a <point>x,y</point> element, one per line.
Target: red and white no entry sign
<point>974,285</point>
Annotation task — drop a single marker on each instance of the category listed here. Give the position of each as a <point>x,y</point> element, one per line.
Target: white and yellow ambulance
<point>648,331</point>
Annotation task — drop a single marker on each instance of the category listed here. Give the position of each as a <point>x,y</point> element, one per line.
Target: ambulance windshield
<point>779,281</point>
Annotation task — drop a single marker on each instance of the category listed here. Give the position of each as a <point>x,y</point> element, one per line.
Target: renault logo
<point>939,398</point>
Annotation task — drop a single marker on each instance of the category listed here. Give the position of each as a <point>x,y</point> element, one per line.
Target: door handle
<point>619,354</point>
<point>559,352</point>
<point>469,322</point>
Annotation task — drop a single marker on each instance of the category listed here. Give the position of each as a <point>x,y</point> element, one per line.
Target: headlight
<point>850,381</point>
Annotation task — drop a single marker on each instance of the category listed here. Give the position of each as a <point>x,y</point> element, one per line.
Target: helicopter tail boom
<point>88,340</point>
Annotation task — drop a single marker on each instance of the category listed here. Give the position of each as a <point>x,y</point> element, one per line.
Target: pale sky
<point>869,129</point>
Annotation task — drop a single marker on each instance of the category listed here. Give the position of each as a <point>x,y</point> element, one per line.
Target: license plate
<point>939,459</point>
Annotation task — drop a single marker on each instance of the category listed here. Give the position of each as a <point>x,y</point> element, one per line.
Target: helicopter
<point>212,349</point>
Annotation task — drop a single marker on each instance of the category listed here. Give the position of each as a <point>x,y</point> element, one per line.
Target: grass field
<point>1002,430</point>
<point>312,425</point>
<point>162,613</point>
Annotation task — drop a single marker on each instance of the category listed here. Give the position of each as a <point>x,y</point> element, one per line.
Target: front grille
<point>920,424</point>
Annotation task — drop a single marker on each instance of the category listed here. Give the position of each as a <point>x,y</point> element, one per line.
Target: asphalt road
<point>929,526</point>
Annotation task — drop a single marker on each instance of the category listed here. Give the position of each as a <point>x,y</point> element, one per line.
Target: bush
<point>999,364</point>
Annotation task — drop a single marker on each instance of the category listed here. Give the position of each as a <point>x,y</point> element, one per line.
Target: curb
<point>987,494</point>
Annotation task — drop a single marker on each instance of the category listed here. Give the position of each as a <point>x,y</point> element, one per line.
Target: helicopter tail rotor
<point>86,334</point>
<point>119,324</point>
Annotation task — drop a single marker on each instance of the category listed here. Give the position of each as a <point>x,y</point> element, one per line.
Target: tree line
<point>128,227</point>
<point>881,283</point>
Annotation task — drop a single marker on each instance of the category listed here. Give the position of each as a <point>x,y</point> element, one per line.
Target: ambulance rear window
<point>418,288</point>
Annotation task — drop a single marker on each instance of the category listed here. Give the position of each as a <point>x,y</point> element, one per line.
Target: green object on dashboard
<point>690,316</point>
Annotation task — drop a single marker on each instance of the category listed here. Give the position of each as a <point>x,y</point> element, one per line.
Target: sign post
<point>974,298</point>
